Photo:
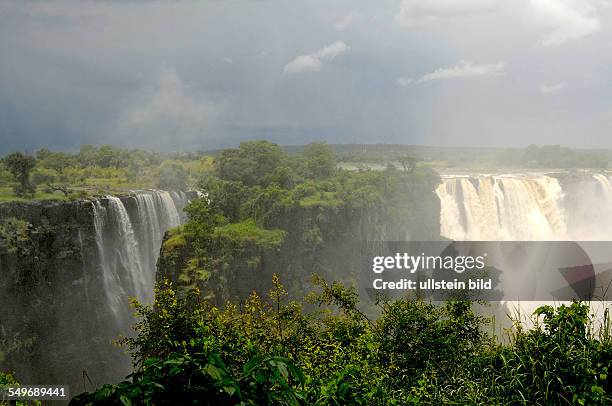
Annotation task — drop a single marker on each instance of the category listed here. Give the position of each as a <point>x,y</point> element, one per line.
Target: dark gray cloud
<point>206,74</point>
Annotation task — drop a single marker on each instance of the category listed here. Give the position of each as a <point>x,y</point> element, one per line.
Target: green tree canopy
<point>57,161</point>
<point>20,166</point>
<point>251,163</point>
<point>320,160</point>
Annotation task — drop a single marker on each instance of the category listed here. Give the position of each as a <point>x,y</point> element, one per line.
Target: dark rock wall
<point>332,253</point>
<point>54,322</point>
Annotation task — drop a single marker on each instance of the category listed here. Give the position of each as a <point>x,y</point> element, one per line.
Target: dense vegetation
<point>59,175</point>
<point>7,379</point>
<point>272,351</point>
<point>268,212</point>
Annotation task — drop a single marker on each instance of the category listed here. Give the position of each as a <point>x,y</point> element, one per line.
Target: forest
<point>97,170</point>
<point>94,171</point>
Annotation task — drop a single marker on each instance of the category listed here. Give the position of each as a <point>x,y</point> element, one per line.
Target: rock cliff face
<point>317,239</point>
<point>52,301</point>
<point>66,271</point>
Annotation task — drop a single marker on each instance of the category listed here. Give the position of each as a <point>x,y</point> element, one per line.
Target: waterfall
<point>526,207</point>
<point>506,207</point>
<point>589,209</point>
<point>605,185</point>
<point>574,206</point>
<point>128,239</point>
<point>112,285</point>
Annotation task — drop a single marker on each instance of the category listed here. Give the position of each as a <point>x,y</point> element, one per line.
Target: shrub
<point>274,352</point>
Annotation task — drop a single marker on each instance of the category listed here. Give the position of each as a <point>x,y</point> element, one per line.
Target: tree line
<point>105,167</point>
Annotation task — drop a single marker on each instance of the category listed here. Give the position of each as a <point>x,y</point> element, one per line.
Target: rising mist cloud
<point>168,112</point>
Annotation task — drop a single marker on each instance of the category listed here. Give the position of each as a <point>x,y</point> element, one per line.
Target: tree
<point>251,163</point>
<point>5,176</point>
<point>43,154</point>
<point>408,163</point>
<point>320,160</point>
<point>109,156</point>
<point>20,166</point>
<point>65,189</point>
<point>58,161</point>
<point>88,155</point>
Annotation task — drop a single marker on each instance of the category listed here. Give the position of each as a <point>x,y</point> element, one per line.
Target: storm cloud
<point>201,75</point>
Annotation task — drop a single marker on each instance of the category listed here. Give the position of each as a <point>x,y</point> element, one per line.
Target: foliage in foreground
<point>7,379</point>
<point>275,351</point>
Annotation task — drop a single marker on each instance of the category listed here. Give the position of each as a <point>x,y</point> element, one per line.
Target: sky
<point>206,74</point>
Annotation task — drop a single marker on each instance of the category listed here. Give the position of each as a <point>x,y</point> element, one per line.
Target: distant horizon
<point>285,146</point>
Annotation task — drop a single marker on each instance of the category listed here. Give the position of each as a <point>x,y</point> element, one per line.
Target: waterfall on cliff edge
<point>129,241</point>
<point>503,207</point>
<point>526,207</point>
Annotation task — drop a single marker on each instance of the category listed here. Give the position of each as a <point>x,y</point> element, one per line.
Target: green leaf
<point>214,372</point>
<point>125,400</point>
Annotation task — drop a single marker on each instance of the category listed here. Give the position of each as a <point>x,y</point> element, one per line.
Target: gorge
<point>68,268</point>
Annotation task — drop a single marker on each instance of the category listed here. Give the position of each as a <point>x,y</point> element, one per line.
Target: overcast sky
<point>179,75</point>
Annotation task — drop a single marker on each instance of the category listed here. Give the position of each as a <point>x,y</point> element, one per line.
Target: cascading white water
<point>172,215</point>
<point>590,209</point>
<point>180,200</point>
<point>575,206</point>
<point>525,207</point>
<point>506,207</point>
<point>129,241</point>
<point>112,285</point>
